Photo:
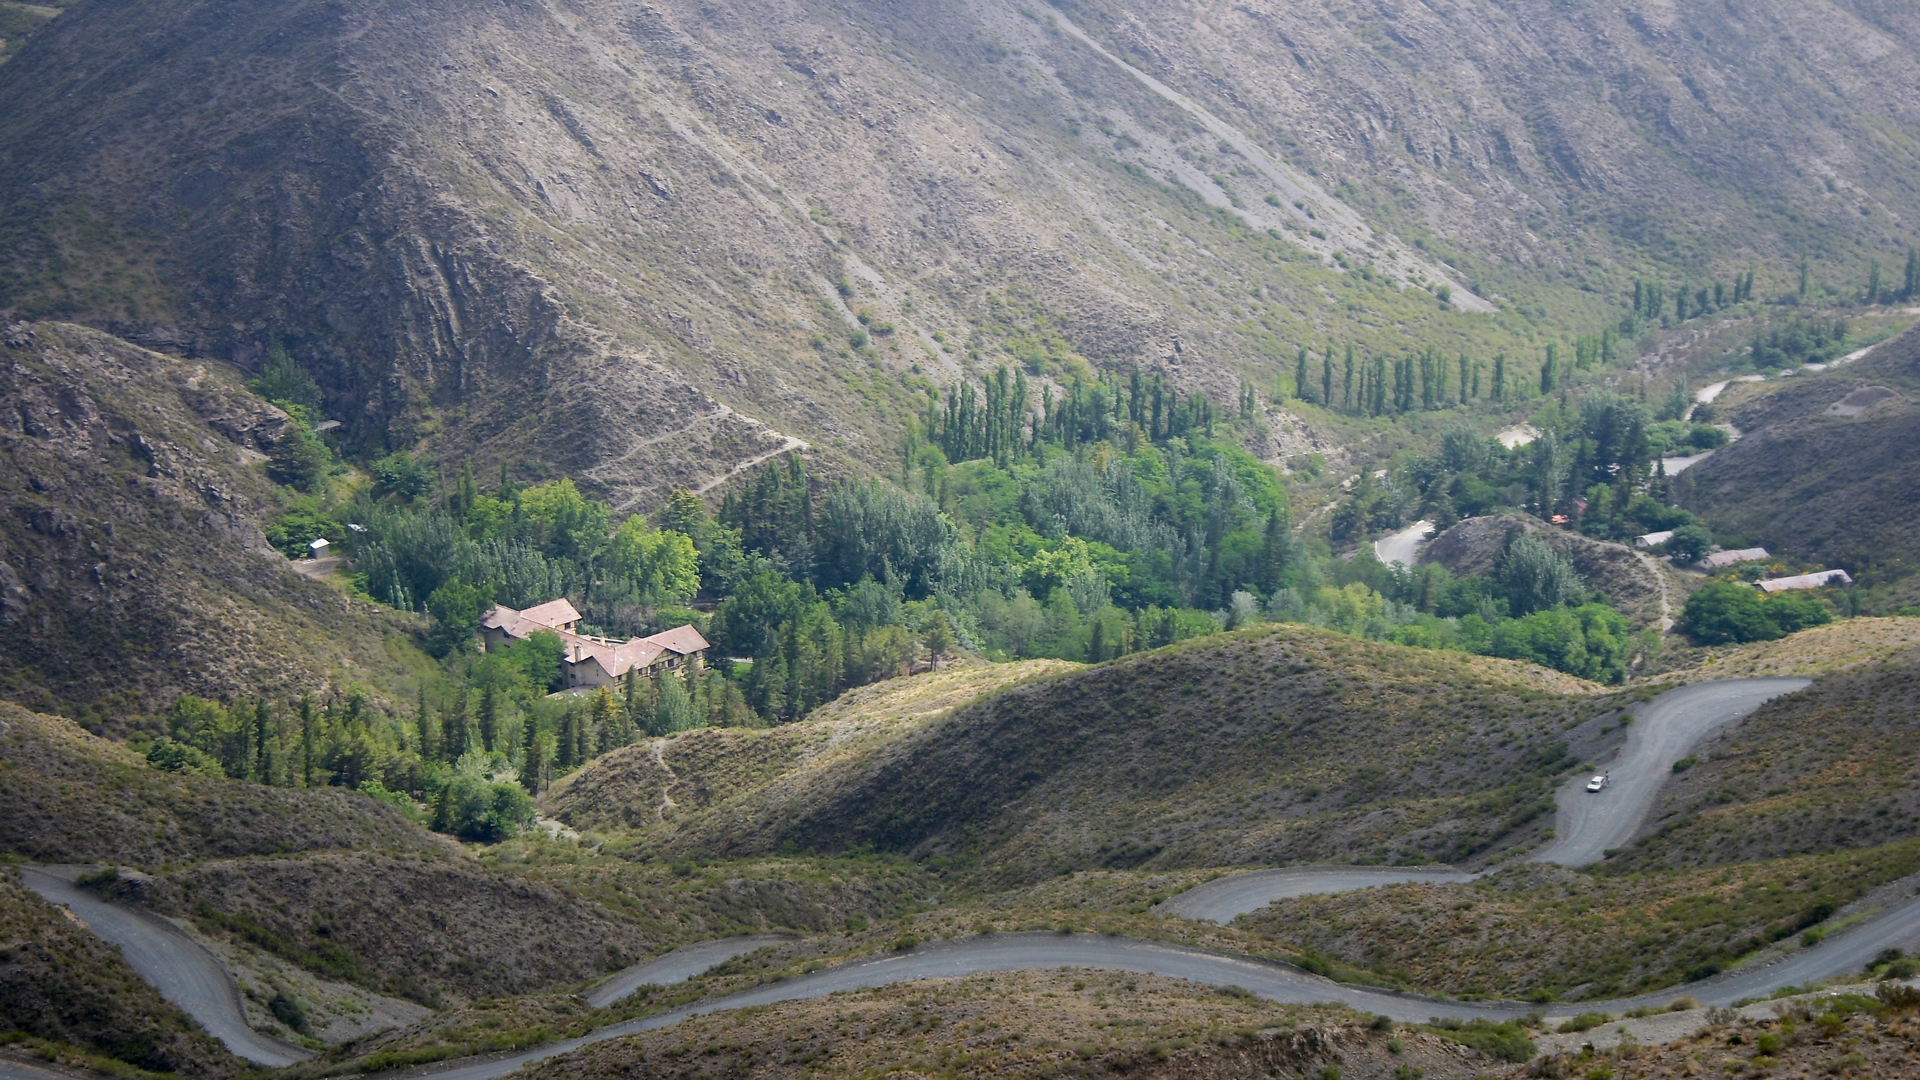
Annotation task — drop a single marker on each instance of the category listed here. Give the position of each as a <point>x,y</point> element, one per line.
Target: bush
<point>473,808</point>
<point>1689,542</point>
<point>1507,1040</point>
<point>403,475</point>
<point>169,756</point>
<point>1584,1022</point>
<point>301,526</point>
<point>1725,612</point>
<point>299,459</point>
<point>288,1011</point>
<point>1589,641</point>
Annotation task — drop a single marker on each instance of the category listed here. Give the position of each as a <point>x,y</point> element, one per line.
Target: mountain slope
<point>1805,481</point>
<point>132,563</point>
<point>1258,747</point>
<point>633,241</point>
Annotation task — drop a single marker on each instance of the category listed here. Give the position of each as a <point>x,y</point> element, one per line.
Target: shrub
<point>1506,1040</point>
<point>288,1011</point>
<point>169,756</point>
<point>1725,612</point>
<point>1689,542</point>
<point>403,475</point>
<point>1584,1022</point>
<point>1685,763</point>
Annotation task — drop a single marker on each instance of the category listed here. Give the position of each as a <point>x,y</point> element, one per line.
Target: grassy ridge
<point>657,782</point>
<point>73,797</point>
<point>1051,1023</point>
<point>1255,747</point>
<point>1547,931</point>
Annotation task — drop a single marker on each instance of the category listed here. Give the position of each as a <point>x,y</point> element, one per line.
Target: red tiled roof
<point>684,640</point>
<point>553,613</point>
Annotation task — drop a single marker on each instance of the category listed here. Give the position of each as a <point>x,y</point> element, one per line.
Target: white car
<point>1596,783</point>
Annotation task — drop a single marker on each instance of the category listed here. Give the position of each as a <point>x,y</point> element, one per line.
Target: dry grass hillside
<point>1237,749</point>
<point>658,781</point>
<point>1844,1036</point>
<point>1538,930</point>
<point>1838,646</point>
<point>132,563</point>
<point>73,797</point>
<point>422,928</point>
<point>69,991</point>
<point>1027,1024</point>
<point>1835,766</point>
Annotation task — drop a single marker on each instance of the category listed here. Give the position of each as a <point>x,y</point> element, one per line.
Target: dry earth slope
<point>132,563</point>
<point>631,240</point>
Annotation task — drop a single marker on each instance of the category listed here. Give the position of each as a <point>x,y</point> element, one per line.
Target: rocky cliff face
<point>132,563</point>
<point>633,240</point>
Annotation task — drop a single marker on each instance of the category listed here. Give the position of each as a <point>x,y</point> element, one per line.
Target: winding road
<point>1662,732</point>
<point>185,973</point>
<point>1665,729</point>
<point>677,966</point>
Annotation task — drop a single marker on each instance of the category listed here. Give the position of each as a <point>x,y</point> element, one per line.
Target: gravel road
<point>1404,546</point>
<point>1662,733</point>
<point>677,966</point>
<point>1270,980</point>
<point>1665,729</point>
<point>185,974</point>
<point>1221,899</point>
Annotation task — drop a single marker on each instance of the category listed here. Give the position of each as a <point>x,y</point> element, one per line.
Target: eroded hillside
<point>646,243</point>
<point>133,566</point>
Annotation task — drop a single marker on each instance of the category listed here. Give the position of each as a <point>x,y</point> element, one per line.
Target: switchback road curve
<point>176,965</point>
<point>1663,731</point>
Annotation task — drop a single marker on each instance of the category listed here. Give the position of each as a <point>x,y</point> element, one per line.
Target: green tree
<point>673,707</point>
<point>298,459</point>
<point>1689,543</point>
<point>283,381</point>
<point>661,564</point>
<point>938,637</point>
<point>489,714</point>
<point>1911,289</point>
<point>456,608</point>
<point>1726,612</point>
<point>403,475</point>
<point>1535,576</point>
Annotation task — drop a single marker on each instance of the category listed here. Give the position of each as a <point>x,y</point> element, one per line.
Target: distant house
<point>502,622</point>
<point>1732,558</point>
<point>1819,579</point>
<point>1652,540</point>
<point>595,661</point>
<point>318,548</point>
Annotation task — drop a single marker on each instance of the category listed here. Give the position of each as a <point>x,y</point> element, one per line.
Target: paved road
<point>1221,899</point>
<point>1404,546</point>
<point>1273,981</point>
<point>185,973</point>
<point>1662,733</point>
<point>677,966</point>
